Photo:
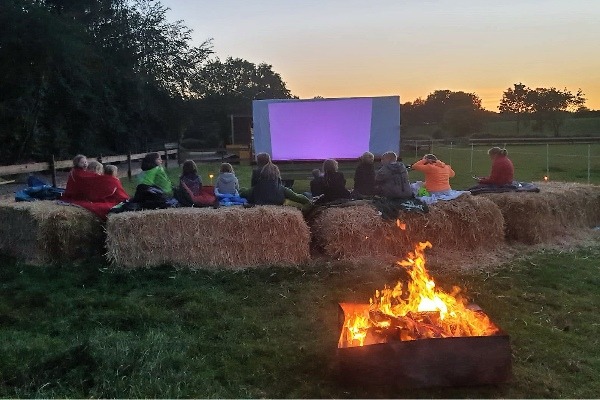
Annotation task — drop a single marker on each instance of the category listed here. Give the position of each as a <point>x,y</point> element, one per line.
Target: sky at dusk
<point>349,48</point>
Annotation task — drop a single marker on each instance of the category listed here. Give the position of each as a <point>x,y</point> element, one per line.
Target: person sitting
<point>262,159</point>
<point>364,175</point>
<point>335,182</point>
<point>227,186</point>
<point>112,170</point>
<point>97,193</point>
<point>270,190</point>
<point>153,174</point>
<point>96,167</point>
<point>317,184</point>
<point>391,180</point>
<point>437,173</point>
<point>502,168</point>
<point>191,183</point>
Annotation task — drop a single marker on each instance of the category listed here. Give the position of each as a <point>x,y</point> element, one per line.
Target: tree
<point>225,88</point>
<point>515,102</point>
<point>551,105</point>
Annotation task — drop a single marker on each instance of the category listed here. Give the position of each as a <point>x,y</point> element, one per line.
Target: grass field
<point>560,162</point>
<point>86,331</point>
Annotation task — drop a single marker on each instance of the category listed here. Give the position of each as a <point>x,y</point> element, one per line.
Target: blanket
<point>97,193</point>
<point>514,187</point>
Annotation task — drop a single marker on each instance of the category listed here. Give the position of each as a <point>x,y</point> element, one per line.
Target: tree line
<point>461,114</point>
<point>111,76</point>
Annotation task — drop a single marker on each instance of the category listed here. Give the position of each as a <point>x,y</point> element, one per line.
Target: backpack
<point>150,197</point>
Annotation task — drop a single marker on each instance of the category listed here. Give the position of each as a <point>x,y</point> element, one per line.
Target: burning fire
<point>420,311</point>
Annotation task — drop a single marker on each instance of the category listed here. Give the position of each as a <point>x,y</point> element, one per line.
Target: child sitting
<point>227,186</point>
<point>391,179</point>
<point>190,182</point>
<point>153,174</point>
<point>270,190</point>
<point>95,166</point>
<point>364,176</point>
<point>111,170</point>
<point>317,185</point>
<point>335,183</point>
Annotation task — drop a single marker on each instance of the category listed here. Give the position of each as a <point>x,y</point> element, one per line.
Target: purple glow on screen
<point>314,130</point>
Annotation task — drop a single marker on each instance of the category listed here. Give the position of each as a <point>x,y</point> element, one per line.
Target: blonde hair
<point>494,151</point>
<point>110,170</point>
<point>80,161</point>
<point>367,157</point>
<point>226,167</point>
<point>270,171</point>
<point>96,167</point>
<point>330,166</point>
<point>389,157</point>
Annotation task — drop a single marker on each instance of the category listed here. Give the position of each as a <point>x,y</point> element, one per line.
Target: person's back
<point>391,179</point>
<point>153,174</point>
<point>502,172</point>
<point>317,184</point>
<point>437,173</point>
<point>268,188</point>
<point>364,175</point>
<point>262,159</point>
<point>227,183</point>
<point>335,182</point>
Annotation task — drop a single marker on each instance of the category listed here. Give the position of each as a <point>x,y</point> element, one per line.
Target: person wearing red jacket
<point>502,168</point>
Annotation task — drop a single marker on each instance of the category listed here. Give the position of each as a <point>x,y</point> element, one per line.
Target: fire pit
<point>415,335</point>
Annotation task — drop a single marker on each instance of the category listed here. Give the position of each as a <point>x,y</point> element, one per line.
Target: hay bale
<point>466,223</point>
<point>542,217</point>
<point>42,232</point>
<point>228,237</point>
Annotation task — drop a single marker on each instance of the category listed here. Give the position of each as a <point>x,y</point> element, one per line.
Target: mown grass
<point>84,330</point>
<point>561,162</point>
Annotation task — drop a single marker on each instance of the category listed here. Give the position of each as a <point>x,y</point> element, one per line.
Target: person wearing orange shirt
<point>437,173</point>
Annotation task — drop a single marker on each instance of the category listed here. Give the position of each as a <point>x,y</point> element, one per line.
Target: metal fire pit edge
<point>455,361</point>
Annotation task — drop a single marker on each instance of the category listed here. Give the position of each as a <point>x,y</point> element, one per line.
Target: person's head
<point>189,168</point>
<point>95,166</point>
<point>389,157</point>
<point>110,170</point>
<point>330,166</point>
<point>226,167</point>
<point>270,171</point>
<point>150,161</point>
<point>262,159</point>
<point>367,158</point>
<point>430,158</point>
<point>80,161</point>
<point>496,152</point>
<point>316,173</point>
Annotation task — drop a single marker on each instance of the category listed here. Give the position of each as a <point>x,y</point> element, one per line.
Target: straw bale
<point>466,223</point>
<point>228,237</point>
<point>43,232</point>
<point>558,209</point>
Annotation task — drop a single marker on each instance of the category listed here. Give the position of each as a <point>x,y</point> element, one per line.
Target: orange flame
<point>420,311</point>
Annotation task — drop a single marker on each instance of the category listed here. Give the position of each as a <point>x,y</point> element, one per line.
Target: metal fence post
<point>548,160</point>
<point>166,155</point>
<point>471,158</point>
<point>589,162</point>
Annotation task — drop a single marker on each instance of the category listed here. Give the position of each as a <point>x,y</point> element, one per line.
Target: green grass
<point>564,162</point>
<point>86,331</point>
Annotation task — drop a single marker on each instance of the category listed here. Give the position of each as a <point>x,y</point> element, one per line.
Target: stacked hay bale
<point>558,208</point>
<point>43,232</point>
<point>228,237</point>
<point>467,223</point>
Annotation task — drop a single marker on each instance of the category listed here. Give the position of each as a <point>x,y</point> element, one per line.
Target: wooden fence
<point>54,165</point>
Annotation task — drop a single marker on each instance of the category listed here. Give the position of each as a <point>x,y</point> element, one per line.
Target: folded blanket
<point>514,187</point>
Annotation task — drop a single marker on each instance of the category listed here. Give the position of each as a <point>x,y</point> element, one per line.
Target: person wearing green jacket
<point>153,173</point>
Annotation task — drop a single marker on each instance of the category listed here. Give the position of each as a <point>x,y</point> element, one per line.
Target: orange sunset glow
<point>407,48</point>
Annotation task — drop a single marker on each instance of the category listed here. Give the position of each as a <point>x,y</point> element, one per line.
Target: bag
<point>150,197</point>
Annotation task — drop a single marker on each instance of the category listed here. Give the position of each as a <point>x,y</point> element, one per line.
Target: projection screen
<point>318,129</point>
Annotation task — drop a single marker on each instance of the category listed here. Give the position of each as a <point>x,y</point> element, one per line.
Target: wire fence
<point>569,162</point>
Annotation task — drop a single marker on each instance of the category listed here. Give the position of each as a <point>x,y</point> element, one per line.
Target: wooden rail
<point>63,164</point>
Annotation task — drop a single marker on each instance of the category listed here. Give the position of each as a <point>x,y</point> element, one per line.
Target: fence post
<point>416,149</point>
<point>129,165</point>
<point>166,155</point>
<point>589,162</point>
<point>548,160</point>
<point>53,170</point>
<point>471,158</point>
<point>450,161</point>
